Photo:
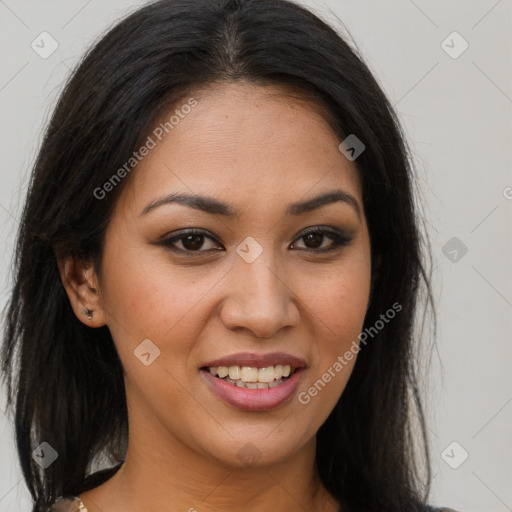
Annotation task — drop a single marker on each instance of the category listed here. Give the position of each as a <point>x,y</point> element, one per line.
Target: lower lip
<point>254,399</point>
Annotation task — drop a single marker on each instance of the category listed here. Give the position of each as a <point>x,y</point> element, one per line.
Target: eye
<point>193,241</point>
<point>314,238</point>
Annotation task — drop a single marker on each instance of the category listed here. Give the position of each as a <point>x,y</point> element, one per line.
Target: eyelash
<point>339,240</point>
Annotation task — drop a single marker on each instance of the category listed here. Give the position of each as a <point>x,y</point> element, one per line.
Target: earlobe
<point>88,312</point>
<point>80,282</point>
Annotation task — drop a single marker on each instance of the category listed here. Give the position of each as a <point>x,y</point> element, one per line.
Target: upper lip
<point>257,360</point>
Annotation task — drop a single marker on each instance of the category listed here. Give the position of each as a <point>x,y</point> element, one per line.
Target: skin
<point>259,149</point>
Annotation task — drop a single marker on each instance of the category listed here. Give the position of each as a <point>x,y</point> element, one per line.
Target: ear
<point>82,287</point>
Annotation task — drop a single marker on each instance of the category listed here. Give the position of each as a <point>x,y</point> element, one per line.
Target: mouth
<point>252,377</point>
<point>252,382</point>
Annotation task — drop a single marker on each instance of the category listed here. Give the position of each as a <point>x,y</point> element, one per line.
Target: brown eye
<point>192,241</point>
<point>314,239</point>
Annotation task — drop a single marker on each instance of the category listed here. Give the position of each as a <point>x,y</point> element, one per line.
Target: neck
<point>161,473</point>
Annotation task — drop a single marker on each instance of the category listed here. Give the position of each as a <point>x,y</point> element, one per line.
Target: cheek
<point>149,299</point>
<point>149,294</point>
<point>337,299</point>
<point>336,306</point>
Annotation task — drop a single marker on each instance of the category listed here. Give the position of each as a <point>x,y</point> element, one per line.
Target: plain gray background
<point>456,111</point>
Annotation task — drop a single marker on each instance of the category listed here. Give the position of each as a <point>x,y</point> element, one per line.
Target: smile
<point>254,382</point>
<point>251,377</point>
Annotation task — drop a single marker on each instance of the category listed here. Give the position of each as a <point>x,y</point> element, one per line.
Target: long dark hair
<point>65,381</point>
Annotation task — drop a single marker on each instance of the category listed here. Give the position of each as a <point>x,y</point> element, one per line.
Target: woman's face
<point>251,292</point>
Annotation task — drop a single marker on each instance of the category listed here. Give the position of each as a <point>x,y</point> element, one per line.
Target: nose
<point>258,299</point>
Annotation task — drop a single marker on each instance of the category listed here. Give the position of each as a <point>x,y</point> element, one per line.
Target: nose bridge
<point>259,280</point>
<point>254,261</point>
<point>258,298</point>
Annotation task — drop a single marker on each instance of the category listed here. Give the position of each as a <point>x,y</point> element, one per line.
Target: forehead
<point>248,144</point>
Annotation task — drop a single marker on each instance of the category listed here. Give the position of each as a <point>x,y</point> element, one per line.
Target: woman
<point>217,275</point>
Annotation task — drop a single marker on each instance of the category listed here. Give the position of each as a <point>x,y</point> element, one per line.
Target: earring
<point>88,312</point>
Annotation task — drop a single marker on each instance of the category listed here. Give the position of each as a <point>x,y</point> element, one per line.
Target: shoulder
<point>440,509</point>
<point>68,504</point>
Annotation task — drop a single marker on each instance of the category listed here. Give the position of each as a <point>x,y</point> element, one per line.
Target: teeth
<point>234,372</point>
<point>251,377</point>
<point>254,385</point>
<point>266,374</point>
<point>223,371</point>
<point>249,374</point>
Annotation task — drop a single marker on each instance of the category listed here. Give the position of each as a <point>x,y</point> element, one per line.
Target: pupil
<point>314,237</point>
<point>197,242</point>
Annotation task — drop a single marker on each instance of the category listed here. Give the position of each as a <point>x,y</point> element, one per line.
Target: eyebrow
<point>216,207</point>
